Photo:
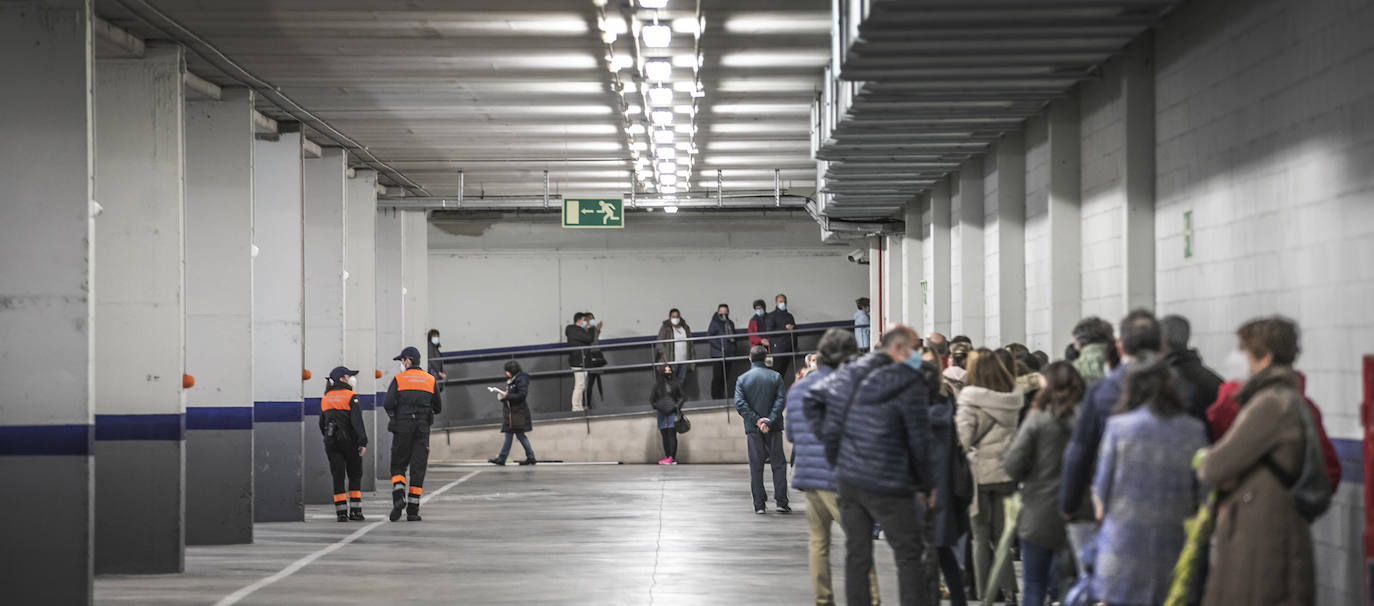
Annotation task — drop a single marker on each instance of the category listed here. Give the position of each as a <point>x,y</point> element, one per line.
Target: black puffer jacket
<point>883,430</point>
<point>516,407</point>
<point>578,337</point>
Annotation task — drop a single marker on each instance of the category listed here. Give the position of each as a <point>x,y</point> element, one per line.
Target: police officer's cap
<point>340,372</point>
<point>409,352</point>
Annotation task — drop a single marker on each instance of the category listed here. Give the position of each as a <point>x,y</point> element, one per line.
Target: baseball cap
<point>409,352</point>
<point>340,372</point>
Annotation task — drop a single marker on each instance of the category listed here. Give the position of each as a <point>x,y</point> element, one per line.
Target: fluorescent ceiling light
<point>684,128</point>
<point>653,3</point>
<point>685,61</point>
<point>685,108</point>
<point>658,70</point>
<point>685,86</point>
<point>686,25</point>
<point>667,166</point>
<point>640,145</point>
<point>660,96</point>
<point>668,189</point>
<point>661,117</point>
<point>635,129</point>
<point>642,161</point>
<point>657,36</point>
<point>684,146</point>
<point>665,152</point>
<point>670,209</point>
<point>663,136</point>
<point>614,25</point>
<point>667,179</point>
<point>684,173</point>
<point>619,62</point>
<point>608,37</point>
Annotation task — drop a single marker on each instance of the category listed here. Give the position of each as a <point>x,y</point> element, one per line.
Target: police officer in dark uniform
<point>411,403</point>
<point>345,441</point>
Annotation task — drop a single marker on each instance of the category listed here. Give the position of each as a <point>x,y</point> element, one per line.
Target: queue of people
<point>1100,457</point>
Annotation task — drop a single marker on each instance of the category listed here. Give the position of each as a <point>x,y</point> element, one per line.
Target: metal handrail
<point>632,344</point>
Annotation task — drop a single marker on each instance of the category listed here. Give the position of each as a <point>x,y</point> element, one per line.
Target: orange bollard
<point>305,375</point>
<point>187,381</point>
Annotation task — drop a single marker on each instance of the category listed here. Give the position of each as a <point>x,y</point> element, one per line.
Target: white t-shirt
<point>679,344</point>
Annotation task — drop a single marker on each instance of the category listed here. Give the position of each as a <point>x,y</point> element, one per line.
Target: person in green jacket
<point>1096,345</point>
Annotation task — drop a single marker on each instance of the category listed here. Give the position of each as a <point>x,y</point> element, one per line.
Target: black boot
<point>497,461</point>
<point>343,517</point>
<point>413,512</point>
<point>341,507</point>
<point>529,461</point>
<point>356,515</point>
<point>398,497</point>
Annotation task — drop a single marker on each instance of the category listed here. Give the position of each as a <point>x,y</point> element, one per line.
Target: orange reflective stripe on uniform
<point>339,399</point>
<point>415,379</point>
<point>398,479</point>
<point>416,490</point>
<point>355,494</point>
<point>339,497</point>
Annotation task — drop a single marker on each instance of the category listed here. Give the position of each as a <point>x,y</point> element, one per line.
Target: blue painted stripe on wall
<point>219,417</point>
<point>312,407</point>
<point>1351,453</point>
<point>277,412</point>
<point>367,401</point>
<point>45,440</point>
<point>140,427</point>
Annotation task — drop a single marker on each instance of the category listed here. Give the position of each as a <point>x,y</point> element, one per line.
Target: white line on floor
<point>294,567</point>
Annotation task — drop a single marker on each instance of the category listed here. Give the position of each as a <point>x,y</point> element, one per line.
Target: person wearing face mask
<point>436,366</point>
<point>411,404</point>
<point>756,324</point>
<point>875,426</point>
<point>782,345</point>
<point>673,346</point>
<point>667,399</point>
<point>516,420</point>
<point>721,349</point>
<point>580,333</point>
<point>345,441</point>
<point>861,324</point>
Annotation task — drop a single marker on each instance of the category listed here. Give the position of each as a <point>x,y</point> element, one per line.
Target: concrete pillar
<point>219,319</point>
<point>894,282</point>
<point>139,334</point>
<point>390,322</point>
<point>323,181</point>
<point>277,328</point>
<point>46,307</point>
<point>360,299</point>
<point>1065,225</point>
<point>969,316</point>
<point>1004,193</point>
<point>416,286</point>
<point>875,296</point>
<point>1138,168</point>
<point>938,280</point>
<point>914,260</point>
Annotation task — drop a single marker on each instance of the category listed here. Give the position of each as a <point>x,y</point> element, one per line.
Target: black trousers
<point>409,450</point>
<point>770,444</point>
<point>345,464</point>
<point>954,576</point>
<point>782,362</point>
<point>669,442</point>
<point>901,522</point>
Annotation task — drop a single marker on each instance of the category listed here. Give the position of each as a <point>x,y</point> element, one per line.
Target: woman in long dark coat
<point>516,421</point>
<point>950,514</point>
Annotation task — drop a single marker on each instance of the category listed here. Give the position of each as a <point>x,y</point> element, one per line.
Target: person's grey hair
<point>1176,332</point>
<point>836,346</point>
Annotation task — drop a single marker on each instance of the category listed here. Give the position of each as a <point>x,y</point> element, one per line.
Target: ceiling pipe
<point>536,203</point>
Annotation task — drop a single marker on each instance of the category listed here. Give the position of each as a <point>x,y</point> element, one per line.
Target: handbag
<point>595,359</point>
<point>682,425</point>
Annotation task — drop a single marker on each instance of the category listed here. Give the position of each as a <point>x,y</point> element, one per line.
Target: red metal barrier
<point>1367,421</point>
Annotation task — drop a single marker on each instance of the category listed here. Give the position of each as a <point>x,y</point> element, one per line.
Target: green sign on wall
<point>593,213</point>
<point>1187,234</point>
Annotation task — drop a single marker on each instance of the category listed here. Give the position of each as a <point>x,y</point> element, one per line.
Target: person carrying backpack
<point>1270,475</point>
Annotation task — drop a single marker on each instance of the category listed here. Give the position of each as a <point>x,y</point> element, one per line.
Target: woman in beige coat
<point>988,411</point>
<point>1262,548</point>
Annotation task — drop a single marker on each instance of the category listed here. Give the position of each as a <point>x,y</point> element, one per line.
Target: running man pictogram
<point>607,212</point>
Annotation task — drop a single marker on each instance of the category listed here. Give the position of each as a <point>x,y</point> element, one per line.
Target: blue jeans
<point>1038,568</point>
<point>524,443</point>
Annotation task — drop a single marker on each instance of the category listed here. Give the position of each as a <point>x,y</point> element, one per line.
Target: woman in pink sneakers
<point>667,399</point>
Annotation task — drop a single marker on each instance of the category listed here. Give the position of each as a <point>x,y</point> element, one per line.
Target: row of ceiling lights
<point>660,128</point>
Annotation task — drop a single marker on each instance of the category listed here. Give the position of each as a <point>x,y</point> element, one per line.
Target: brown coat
<point>1262,549</point>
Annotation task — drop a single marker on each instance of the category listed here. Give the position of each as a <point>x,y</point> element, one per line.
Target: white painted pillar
<point>139,331</point>
<point>914,260</point>
<point>1065,225</point>
<point>1004,240</point>
<point>219,319</point>
<point>46,310</point>
<point>323,181</point>
<point>277,328</point>
<point>875,297</point>
<point>938,281</point>
<point>360,299</point>
<point>1138,93</point>
<point>894,282</point>
<point>969,316</point>
<point>390,322</point>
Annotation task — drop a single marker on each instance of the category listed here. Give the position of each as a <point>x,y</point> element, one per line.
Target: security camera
<point>859,256</point>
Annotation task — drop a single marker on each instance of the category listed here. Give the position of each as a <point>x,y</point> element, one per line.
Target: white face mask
<point>351,380</point>
<point>676,321</point>
<point>434,340</point>
<point>1236,367</point>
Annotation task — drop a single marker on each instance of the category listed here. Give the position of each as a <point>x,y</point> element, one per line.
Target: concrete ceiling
<point>504,90</point>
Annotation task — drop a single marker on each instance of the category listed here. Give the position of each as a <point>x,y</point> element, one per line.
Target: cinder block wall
<point>717,436</point>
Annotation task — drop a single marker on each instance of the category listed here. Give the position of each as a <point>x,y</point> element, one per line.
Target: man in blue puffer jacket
<point>811,473</point>
<point>876,430</point>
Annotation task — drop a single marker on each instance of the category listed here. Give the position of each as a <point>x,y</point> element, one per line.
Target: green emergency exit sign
<point>1188,234</point>
<point>593,213</point>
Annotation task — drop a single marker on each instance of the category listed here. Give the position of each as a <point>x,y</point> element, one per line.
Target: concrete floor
<point>546,535</point>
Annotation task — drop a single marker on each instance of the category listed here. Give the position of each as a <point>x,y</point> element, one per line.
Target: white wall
<point>519,282</point>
